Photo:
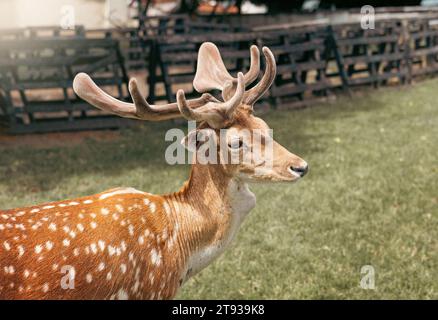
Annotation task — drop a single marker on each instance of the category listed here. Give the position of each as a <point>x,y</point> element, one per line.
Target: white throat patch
<point>241,201</point>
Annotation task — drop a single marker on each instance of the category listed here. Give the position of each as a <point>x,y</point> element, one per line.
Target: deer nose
<point>302,170</point>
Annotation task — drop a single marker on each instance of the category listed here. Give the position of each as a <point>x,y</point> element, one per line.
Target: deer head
<point>235,113</point>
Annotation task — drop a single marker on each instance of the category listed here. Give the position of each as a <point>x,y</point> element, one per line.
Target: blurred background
<point>354,95</point>
<point>323,48</point>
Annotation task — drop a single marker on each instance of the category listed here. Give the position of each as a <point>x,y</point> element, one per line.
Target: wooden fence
<point>314,62</point>
<point>36,83</point>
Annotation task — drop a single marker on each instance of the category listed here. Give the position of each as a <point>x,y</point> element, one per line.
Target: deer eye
<point>235,144</point>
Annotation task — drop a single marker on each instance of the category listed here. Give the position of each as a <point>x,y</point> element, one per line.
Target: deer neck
<point>217,205</point>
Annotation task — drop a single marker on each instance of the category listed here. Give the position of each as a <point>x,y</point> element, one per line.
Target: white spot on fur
<point>93,225</point>
<point>89,278</point>
<point>93,248</point>
<point>38,248</point>
<point>166,208</point>
<point>9,269</point>
<point>101,245</point>
<point>7,245</point>
<point>152,207</point>
<point>20,226</point>
<point>155,257</point>
<point>122,295</point>
<point>136,286</point>
<point>20,250</point>
<point>111,250</point>
<point>49,245</point>
<point>131,230</point>
<point>101,266</point>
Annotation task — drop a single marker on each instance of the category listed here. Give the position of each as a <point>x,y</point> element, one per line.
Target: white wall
<point>90,13</point>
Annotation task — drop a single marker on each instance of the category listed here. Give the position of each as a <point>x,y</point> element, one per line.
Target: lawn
<point>370,198</point>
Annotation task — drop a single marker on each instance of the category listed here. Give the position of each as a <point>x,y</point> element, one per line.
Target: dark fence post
<point>332,45</point>
<point>6,106</point>
<point>121,62</point>
<point>405,37</point>
<point>152,69</point>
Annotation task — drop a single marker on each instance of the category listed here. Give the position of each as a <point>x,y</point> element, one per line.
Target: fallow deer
<point>128,244</point>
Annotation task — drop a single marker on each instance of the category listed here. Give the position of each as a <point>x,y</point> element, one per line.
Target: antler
<point>216,114</point>
<point>140,109</point>
<point>211,74</point>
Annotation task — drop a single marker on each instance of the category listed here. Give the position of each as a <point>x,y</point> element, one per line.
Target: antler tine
<point>142,106</point>
<point>90,92</point>
<point>254,68</point>
<point>184,108</point>
<point>249,77</point>
<point>253,94</point>
<point>85,88</point>
<point>214,113</point>
<point>231,105</point>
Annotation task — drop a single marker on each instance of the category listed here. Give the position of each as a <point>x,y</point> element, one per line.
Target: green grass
<point>370,198</point>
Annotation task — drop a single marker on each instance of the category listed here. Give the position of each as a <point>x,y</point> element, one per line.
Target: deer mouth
<point>294,173</point>
<point>268,174</point>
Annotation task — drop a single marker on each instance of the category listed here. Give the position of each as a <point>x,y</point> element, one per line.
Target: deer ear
<point>189,141</point>
<point>196,138</point>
